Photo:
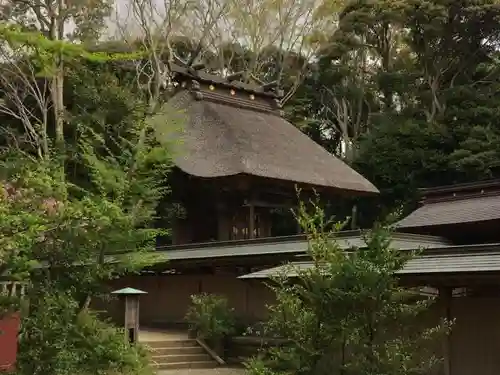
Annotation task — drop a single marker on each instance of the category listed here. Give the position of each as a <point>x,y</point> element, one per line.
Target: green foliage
<point>72,221</point>
<point>412,85</point>
<point>347,314</point>
<point>404,147</point>
<point>59,237</point>
<point>210,316</point>
<point>44,54</point>
<point>87,17</point>
<point>65,345</point>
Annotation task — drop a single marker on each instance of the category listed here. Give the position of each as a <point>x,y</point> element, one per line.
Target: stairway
<point>179,354</point>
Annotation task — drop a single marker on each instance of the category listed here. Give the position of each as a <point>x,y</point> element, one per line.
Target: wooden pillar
<point>224,223</point>
<point>247,298</point>
<point>251,224</point>
<point>354,217</point>
<point>445,297</point>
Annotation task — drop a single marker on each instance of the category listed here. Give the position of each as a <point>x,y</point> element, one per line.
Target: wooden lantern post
<point>130,297</point>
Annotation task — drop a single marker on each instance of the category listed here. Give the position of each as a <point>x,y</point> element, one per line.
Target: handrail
<point>210,352</point>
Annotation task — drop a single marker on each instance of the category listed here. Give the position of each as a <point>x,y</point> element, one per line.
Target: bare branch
<point>265,38</point>
<point>24,96</point>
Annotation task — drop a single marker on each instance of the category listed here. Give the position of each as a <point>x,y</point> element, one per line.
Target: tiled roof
<point>454,263</point>
<point>460,210</point>
<point>464,261</point>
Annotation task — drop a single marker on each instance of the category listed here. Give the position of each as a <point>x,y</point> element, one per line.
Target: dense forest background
<point>406,91</point>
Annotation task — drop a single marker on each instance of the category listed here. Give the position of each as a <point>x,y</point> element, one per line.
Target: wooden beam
<point>198,66</point>
<point>251,224</point>
<point>457,280</point>
<point>210,352</point>
<point>235,76</point>
<point>270,85</point>
<point>257,203</point>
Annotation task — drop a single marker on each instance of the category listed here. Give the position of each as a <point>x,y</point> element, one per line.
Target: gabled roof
<point>467,210</point>
<point>230,129</point>
<point>464,203</point>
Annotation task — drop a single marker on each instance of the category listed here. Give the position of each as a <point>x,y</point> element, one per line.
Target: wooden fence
<point>13,288</point>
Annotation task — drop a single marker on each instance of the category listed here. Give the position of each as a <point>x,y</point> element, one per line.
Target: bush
<point>210,316</point>
<point>258,329</point>
<point>53,342</point>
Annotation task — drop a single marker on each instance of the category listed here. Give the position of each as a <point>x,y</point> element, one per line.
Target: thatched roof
<point>232,128</point>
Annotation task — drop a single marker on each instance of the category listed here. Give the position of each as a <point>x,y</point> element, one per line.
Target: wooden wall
<point>168,296</point>
<point>474,341</point>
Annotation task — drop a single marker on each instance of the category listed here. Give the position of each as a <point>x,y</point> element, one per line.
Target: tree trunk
<point>57,86</point>
<point>56,32</point>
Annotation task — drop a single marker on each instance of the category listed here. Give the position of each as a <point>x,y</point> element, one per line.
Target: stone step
<point>177,350</point>
<point>185,365</point>
<point>176,358</point>
<point>179,354</point>
<point>170,343</point>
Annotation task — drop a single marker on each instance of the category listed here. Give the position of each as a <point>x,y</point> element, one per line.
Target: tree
<point>398,93</point>
<point>356,74</point>
<point>335,103</point>
<point>66,234</point>
<point>57,21</point>
<point>25,95</point>
<point>259,41</point>
<point>447,53</point>
<point>401,155</point>
<point>282,37</point>
<point>347,313</point>
<point>62,240</point>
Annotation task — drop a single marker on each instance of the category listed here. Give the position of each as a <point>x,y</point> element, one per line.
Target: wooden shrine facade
<point>238,161</point>
<point>230,208</point>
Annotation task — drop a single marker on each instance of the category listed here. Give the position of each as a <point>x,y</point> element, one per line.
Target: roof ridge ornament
<point>257,79</point>
<point>191,67</point>
<point>235,76</point>
<point>196,90</point>
<point>195,68</point>
<point>269,87</point>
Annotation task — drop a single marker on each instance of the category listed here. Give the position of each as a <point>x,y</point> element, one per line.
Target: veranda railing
<point>13,288</point>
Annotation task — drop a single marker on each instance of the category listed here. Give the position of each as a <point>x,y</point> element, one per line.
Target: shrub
<point>210,316</point>
<point>52,342</point>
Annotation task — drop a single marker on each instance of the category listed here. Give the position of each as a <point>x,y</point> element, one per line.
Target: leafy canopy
<point>63,215</point>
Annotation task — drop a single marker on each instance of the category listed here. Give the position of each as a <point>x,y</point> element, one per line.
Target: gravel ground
<point>212,371</point>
